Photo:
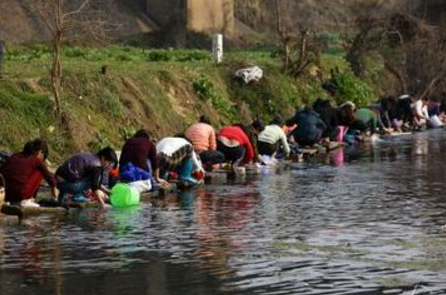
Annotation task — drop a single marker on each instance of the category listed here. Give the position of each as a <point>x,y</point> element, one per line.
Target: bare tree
<point>413,51</point>
<point>299,47</point>
<point>66,19</point>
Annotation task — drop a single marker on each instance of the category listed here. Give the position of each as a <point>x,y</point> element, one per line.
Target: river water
<point>364,220</point>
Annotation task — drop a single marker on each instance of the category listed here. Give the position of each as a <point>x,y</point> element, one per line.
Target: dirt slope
<point>20,23</point>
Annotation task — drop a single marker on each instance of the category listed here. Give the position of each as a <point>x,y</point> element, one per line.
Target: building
<point>208,16</point>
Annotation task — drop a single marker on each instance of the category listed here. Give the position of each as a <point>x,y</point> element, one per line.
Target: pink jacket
<point>202,137</point>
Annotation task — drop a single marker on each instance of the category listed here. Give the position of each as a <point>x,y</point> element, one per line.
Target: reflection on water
<point>364,220</point>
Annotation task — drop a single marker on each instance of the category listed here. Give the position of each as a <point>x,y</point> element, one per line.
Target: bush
<point>353,89</point>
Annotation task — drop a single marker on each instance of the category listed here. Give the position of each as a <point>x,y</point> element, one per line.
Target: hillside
<point>163,91</point>
<point>20,23</point>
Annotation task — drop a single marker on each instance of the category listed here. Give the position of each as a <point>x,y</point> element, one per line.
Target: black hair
<point>108,154</point>
<point>277,120</point>
<point>142,133</point>
<point>36,145</point>
<point>204,119</point>
<point>330,87</point>
<point>258,125</point>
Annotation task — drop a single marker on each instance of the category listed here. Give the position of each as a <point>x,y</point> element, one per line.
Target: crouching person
<point>272,137</point>
<point>203,139</point>
<point>234,143</point>
<point>177,154</point>
<point>138,164</point>
<point>82,173</point>
<point>23,173</point>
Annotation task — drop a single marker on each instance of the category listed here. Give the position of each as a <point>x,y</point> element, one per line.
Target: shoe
<point>79,198</point>
<point>29,203</point>
<point>185,172</point>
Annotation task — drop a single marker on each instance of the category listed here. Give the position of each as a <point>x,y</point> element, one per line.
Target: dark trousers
<point>212,157</point>
<point>232,154</point>
<point>267,149</point>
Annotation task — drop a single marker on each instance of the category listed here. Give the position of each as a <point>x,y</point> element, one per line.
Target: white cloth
<point>250,74</point>
<point>435,122</point>
<point>141,186</point>
<point>272,134</point>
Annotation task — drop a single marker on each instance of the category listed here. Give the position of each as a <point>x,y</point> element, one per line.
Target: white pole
<point>217,48</point>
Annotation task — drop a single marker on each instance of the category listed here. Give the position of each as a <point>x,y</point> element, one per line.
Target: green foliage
<point>112,53</point>
<point>205,89</point>
<point>101,141</point>
<point>127,132</point>
<point>353,89</point>
<point>29,53</point>
<point>165,55</point>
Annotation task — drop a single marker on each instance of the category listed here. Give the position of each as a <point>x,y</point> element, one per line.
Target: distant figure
<point>2,53</point>
<point>23,173</point>
<point>310,127</point>
<point>203,139</point>
<point>420,113</point>
<point>329,115</point>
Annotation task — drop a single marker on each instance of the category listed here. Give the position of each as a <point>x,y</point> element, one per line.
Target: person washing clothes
<point>83,172</point>
<point>23,173</point>
<point>177,154</point>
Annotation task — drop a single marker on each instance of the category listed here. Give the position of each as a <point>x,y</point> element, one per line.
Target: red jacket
<point>237,134</point>
<point>17,172</point>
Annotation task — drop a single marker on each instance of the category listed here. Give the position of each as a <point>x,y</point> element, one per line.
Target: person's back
<point>233,136</point>
<point>202,137</point>
<point>369,117</point>
<point>328,114</point>
<point>79,166</point>
<point>271,135</point>
<point>169,145</point>
<point>138,151</point>
<point>309,127</point>
<point>16,171</point>
<point>23,172</point>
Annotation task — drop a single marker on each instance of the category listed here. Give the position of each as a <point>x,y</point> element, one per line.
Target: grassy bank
<point>162,90</point>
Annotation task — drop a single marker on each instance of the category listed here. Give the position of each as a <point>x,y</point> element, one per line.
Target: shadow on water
<point>363,220</point>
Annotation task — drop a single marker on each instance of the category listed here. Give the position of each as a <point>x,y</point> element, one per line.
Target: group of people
<point>149,165</point>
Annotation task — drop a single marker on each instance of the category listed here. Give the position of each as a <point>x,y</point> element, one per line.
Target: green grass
<point>153,89</point>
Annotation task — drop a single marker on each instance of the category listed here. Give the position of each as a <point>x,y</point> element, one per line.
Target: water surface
<point>363,220</point>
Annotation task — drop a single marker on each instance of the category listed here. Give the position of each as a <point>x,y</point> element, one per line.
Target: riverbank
<point>109,93</point>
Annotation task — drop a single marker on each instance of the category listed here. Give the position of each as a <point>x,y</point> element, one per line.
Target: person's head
<point>347,112</point>
<point>38,147</point>
<point>108,157</point>
<point>142,133</point>
<point>258,125</point>
<point>277,120</point>
<point>204,119</point>
<point>331,88</point>
<point>388,102</point>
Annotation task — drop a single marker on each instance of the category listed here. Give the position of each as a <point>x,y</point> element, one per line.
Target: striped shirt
<point>202,137</point>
